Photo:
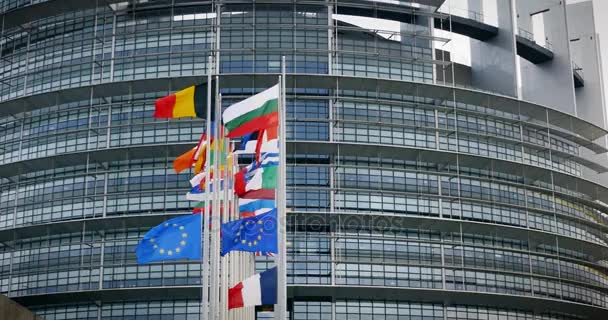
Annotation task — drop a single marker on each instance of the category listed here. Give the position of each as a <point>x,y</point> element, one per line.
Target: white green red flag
<point>253,114</point>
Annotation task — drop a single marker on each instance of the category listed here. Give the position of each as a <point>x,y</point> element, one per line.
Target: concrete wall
<point>549,83</point>
<point>585,53</point>
<point>493,62</point>
<point>584,47</point>
<point>10,310</point>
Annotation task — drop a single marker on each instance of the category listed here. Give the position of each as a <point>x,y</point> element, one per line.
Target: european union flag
<point>177,238</point>
<point>252,234</point>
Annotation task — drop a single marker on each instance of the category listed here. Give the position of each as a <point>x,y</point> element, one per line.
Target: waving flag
<point>256,177</point>
<point>249,143</point>
<point>201,156</point>
<point>184,161</point>
<point>254,207</point>
<point>259,194</point>
<point>259,289</point>
<point>257,233</point>
<point>189,102</point>
<point>260,253</point>
<point>253,114</point>
<point>197,193</point>
<point>199,179</point>
<point>177,238</point>
<point>270,159</point>
<point>188,159</point>
<point>200,208</point>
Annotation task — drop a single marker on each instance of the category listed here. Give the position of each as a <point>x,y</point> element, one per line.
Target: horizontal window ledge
<point>447,297</point>
<point>536,113</point>
<point>539,305</point>
<point>337,220</point>
<point>601,227</point>
<point>595,225</point>
<point>391,11</point>
<point>117,274</point>
<point>322,221</point>
<point>530,173</point>
<point>522,150</point>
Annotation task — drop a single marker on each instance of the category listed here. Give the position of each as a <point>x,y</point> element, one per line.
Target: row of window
<point>299,310</point>
<point>87,128</point>
<point>155,187</point>
<point>70,265</point>
<point>188,132</point>
<point>49,208</point>
<point>131,123</point>
<point>95,52</point>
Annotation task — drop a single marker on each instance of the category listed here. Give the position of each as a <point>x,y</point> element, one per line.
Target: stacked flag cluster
<point>255,120</point>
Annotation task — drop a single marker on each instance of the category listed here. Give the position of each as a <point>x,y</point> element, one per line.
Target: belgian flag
<point>189,102</point>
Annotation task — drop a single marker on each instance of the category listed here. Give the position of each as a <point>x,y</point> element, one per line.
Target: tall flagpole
<point>215,226</point>
<point>215,216</point>
<point>224,216</point>
<point>206,212</point>
<point>280,312</point>
<point>235,262</point>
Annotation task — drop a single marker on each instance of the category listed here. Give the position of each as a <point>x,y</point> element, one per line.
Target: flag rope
<point>280,312</point>
<point>206,212</point>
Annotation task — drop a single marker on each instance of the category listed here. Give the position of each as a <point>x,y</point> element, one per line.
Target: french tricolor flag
<point>257,290</point>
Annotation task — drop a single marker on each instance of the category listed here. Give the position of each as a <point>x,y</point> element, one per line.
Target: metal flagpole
<point>224,260</point>
<point>240,312</point>
<point>234,259</point>
<point>250,262</point>
<point>215,217</point>
<point>215,234</point>
<point>280,312</point>
<point>205,213</point>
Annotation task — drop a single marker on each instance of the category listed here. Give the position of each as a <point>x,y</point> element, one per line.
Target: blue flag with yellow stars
<point>252,234</point>
<point>178,238</point>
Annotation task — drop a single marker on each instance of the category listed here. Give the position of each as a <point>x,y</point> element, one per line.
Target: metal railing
<point>530,36</point>
<point>465,13</point>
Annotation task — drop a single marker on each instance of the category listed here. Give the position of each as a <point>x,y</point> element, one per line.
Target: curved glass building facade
<point>408,198</point>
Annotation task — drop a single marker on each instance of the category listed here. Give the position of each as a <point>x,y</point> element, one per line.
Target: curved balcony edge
<point>541,114</point>
<point>23,15</point>
<point>530,172</point>
<point>538,305</point>
<point>322,220</point>
<point>387,10</point>
<point>386,221</point>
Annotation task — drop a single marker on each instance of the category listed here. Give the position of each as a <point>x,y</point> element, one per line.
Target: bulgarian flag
<point>255,113</point>
<point>189,102</point>
<point>257,290</point>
